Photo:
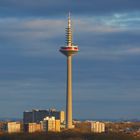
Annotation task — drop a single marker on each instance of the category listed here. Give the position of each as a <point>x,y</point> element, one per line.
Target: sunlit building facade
<point>90,126</point>
<point>34,127</point>
<point>14,127</point>
<point>97,127</point>
<point>50,124</point>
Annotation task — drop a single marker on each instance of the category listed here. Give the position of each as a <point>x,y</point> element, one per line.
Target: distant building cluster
<point>43,120</point>
<point>47,124</point>
<point>90,126</point>
<point>48,120</point>
<point>36,121</point>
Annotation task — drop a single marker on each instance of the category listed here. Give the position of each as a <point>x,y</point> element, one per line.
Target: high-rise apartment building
<point>97,127</point>
<point>50,124</point>
<point>14,127</point>
<point>34,127</point>
<point>35,116</point>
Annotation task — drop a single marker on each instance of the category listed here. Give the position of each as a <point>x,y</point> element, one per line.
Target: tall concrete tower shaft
<point>69,50</point>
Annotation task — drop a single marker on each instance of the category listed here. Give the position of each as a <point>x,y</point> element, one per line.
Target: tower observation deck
<point>69,50</point>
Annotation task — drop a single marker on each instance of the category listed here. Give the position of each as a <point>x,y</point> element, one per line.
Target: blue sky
<point>106,72</point>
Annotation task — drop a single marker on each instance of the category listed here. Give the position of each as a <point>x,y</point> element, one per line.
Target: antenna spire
<point>69,32</point>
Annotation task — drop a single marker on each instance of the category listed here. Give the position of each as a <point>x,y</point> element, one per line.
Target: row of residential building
<point>47,124</point>
<point>48,120</point>
<point>51,124</point>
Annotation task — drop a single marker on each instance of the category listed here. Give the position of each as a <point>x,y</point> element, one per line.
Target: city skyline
<point>106,73</point>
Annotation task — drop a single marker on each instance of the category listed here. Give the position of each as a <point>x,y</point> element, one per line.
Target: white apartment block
<point>14,127</point>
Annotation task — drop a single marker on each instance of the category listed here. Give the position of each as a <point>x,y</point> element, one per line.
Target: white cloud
<point>32,36</point>
<point>133,51</point>
<point>40,37</point>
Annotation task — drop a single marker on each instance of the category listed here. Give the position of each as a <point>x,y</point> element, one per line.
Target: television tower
<point>69,50</point>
